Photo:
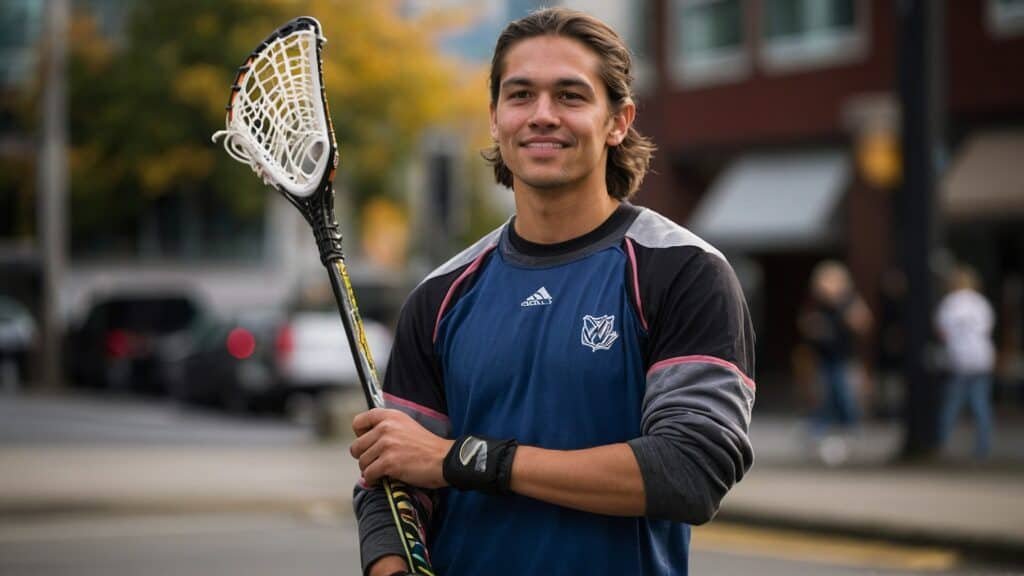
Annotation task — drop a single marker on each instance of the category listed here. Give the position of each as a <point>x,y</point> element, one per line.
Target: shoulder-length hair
<point>629,160</point>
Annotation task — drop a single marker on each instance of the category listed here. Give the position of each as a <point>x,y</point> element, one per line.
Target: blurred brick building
<point>777,124</point>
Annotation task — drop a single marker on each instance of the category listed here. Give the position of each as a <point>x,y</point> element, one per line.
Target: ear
<point>622,120</point>
<point>494,123</point>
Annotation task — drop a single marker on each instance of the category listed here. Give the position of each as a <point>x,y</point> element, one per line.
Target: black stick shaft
<point>404,513</point>
<point>360,346</point>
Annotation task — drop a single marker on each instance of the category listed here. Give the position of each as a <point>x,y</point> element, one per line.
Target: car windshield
<point>150,315</point>
<point>11,310</point>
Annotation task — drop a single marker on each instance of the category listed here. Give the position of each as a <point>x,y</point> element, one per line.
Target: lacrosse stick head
<point>277,117</point>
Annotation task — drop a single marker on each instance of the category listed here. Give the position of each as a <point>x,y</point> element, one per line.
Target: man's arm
<point>387,566</point>
<point>602,480</point>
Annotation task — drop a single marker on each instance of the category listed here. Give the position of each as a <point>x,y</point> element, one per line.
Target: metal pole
<point>918,56</point>
<point>53,190</point>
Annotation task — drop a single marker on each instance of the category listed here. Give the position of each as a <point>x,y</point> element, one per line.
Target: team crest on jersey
<point>598,332</point>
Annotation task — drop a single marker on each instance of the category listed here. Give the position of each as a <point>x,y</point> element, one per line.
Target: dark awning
<point>987,178</point>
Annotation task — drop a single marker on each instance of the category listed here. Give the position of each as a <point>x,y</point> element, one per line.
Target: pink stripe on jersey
<point>702,359</point>
<point>636,282</point>
<point>451,290</point>
<point>424,501</point>
<point>391,398</point>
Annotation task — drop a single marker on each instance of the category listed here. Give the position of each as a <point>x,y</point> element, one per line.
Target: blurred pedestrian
<point>613,344</point>
<point>837,316</point>
<point>964,320</point>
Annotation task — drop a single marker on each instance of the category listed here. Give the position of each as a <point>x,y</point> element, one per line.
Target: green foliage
<point>142,110</point>
<point>144,105</point>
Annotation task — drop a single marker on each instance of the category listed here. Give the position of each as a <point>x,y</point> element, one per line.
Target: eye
<point>569,96</point>
<point>519,95</point>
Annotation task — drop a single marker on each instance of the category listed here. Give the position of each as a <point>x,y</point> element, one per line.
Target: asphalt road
<point>318,541</point>
<point>325,544</point>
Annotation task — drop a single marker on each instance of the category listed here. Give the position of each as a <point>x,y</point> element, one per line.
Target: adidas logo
<point>539,298</point>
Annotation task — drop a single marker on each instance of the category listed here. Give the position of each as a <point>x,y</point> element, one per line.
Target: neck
<point>553,220</point>
<point>550,216</point>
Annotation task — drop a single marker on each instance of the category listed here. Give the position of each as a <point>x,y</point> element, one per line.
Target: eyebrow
<point>517,81</point>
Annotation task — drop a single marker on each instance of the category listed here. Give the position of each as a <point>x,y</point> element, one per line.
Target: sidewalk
<point>954,502</point>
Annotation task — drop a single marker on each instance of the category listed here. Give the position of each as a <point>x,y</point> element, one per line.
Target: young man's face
<point>553,121</point>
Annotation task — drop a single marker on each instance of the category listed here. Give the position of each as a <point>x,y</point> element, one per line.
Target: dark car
<point>229,364</point>
<point>115,346</point>
<point>17,340</point>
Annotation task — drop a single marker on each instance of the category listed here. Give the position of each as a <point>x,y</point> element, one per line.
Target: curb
<point>13,510</point>
<point>975,546</point>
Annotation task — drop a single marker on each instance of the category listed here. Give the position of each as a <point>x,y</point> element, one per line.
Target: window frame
<point>722,66</point>
<point>1004,21</point>
<point>804,52</point>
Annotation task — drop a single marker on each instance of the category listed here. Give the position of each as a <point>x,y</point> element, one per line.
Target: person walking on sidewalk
<point>964,320</point>
<point>575,389</point>
<point>836,318</point>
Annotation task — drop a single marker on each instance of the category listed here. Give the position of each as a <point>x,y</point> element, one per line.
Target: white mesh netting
<point>277,122</point>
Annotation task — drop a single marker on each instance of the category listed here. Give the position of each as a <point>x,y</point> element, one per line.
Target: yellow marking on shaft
<point>806,547</point>
<point>402,512</point>
<point>356,319</point>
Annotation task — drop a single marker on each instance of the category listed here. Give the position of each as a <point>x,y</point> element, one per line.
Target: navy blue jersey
<point>634,333</point>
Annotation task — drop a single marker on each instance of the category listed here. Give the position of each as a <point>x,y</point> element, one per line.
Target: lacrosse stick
<point>278,123</point>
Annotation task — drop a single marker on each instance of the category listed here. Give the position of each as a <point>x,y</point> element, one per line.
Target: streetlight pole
<point>53,189</point>
<point>919,65</point>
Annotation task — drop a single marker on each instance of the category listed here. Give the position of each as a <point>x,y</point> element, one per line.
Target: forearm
<point>387,566</point>
<point>601,480</point>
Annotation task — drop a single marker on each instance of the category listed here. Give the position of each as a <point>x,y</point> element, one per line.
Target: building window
<point>635,22</point>
<point>708,44</point>
<point>20,24</point>
<point>640,37</point>
<point>1006,17</point>
<point>800,34</point>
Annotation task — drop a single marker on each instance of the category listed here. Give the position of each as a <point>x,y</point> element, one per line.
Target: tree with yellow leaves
<point>143,106</point>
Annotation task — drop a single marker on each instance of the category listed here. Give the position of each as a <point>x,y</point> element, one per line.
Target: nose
<point>544,113</point>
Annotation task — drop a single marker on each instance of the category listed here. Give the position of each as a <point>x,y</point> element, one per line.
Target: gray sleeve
<point>695,444</point>
<point>378,536</point>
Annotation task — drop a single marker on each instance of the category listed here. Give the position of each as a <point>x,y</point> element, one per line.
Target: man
<point>965,320</point>
<point>837,316</point>
<point>575,388</point>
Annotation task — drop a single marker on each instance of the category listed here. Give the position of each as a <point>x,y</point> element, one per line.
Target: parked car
<point>312,350</point>
<point>17,340</point>
<point>230,364</point>
<point>115,346</point>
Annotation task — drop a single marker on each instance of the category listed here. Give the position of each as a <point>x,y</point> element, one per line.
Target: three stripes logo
<point>539,298</point>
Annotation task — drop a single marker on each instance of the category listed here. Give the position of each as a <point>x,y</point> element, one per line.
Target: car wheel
<point>236,401</point>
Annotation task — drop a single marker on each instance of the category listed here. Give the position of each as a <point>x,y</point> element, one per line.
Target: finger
<point>375,471</point>
<point>370,455</point>
<point>363,422</point>
<point>366,483</point>
<point>363,442</point>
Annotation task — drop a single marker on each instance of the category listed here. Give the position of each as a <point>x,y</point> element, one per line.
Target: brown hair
<point>627,162</point>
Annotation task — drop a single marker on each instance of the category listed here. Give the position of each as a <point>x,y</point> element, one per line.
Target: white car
<point>313,354</point>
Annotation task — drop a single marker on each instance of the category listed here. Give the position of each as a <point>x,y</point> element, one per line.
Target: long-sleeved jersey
<point>636,332</point>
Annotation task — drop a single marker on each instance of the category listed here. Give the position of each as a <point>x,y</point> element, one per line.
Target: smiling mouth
<point>544,145</point>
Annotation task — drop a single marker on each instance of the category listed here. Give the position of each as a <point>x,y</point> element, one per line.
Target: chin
<point>547,183</point>
<point>543,179</point>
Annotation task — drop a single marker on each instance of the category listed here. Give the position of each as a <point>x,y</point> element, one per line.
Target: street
<point>261,497</point>
<point>326,544</point>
